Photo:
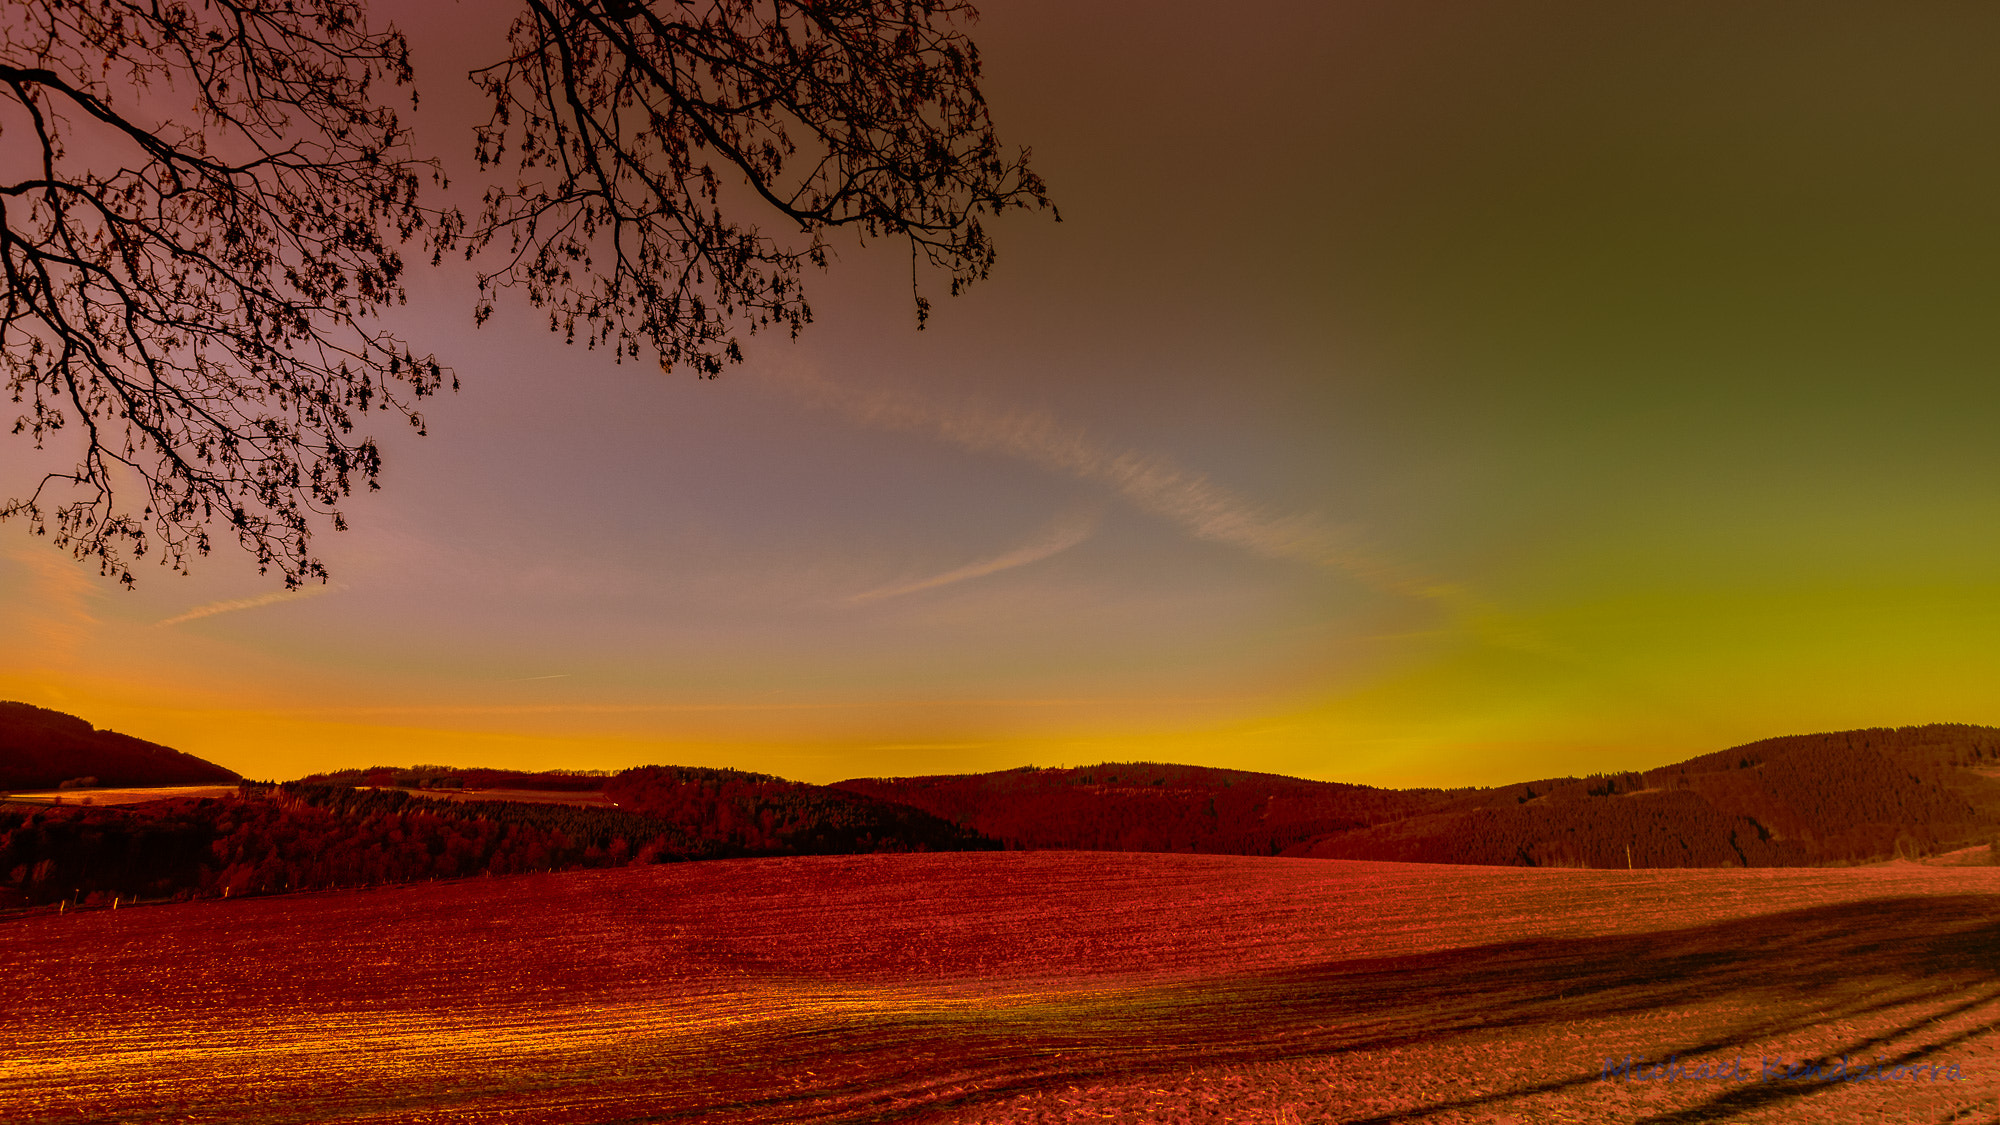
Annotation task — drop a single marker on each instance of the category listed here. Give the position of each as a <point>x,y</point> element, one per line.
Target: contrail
<point>1148,481</point>
<point>1065,532</point>
<point>234,604</point>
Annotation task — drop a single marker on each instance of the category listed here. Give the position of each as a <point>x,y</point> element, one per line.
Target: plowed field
<point>1023,987</point>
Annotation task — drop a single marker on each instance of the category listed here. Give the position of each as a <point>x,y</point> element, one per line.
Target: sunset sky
<point>1413,394</point>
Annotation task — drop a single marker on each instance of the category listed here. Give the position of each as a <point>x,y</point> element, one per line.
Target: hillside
<point>723,811</point>
<point>1147,807</point>
<point>41,749</point>
<point>1842,797</point>
<point>757,814</point>
<point>1845,797</point>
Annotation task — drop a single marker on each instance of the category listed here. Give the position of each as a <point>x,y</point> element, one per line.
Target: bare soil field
<point>132,796</point>
<point>1025,987</point>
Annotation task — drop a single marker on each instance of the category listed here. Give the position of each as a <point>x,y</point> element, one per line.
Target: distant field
<point>1017,987</point>
<point>116,796</point>
<point>533,796</point>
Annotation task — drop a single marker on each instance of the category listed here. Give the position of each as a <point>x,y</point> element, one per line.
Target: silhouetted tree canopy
<point>205,204</point>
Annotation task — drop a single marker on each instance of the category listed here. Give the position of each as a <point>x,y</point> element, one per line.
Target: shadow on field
<point>1889,979</point>
<point>1897,964</point>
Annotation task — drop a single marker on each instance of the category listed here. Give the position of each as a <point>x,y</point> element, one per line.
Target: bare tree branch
<point>625,119</point>
<point>189,310</point>
<point>198,315</point>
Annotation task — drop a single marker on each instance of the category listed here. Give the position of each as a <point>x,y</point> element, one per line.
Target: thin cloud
<point>1148,481</point>
<point>234,604</point>
<point>1155,484</point>
<point>1064,532</point>
<point>444,710</point>
<point>59,616</point>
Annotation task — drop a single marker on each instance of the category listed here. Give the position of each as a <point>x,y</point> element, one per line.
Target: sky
<point>1411,394</point>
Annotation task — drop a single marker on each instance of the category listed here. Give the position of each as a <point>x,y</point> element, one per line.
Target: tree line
<point>299,836</point>
<point>751,813</point>
<point>452,777</point>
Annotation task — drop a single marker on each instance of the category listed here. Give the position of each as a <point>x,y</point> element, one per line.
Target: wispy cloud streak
<point>1064,532</point>
<point>234,604</point>
<point>1147,481</point>
<point>58,618</point>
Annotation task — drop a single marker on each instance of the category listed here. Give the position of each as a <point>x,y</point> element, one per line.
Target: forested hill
<point>1142,806</point>
<point>1846,797</point>
<point>759,814</point>
<point>41,749</point>
<point>452,777</point>
<point>727,811</point>
<point>299,836</point>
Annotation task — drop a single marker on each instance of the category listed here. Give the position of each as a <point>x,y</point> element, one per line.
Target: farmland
<point>586,798</point>
<point>129,795</point>
<point>1017,987</point>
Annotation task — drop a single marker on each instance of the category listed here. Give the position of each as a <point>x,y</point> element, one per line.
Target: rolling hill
<point>1845,797</point>
<point>720,811</point>
<point>1147,807</point>
<point>1823,799</point>
<point>41,749</point>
